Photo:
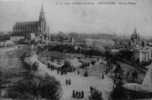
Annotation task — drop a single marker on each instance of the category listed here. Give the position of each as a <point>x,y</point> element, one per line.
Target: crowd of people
<point>78,94</point>
<point>68,81</point>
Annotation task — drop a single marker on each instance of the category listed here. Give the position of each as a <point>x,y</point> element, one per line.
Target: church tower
<point>42,22</point>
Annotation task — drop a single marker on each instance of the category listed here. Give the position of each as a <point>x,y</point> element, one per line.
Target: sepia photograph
<point>75,49</point>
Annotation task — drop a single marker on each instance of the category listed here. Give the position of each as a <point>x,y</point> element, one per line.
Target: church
<point>25,29</point>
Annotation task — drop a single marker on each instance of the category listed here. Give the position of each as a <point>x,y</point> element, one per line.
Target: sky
<point>98,18</point>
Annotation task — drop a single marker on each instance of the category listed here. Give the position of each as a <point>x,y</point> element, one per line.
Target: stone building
<point>24,29</point>
<point>143,54</point>
<point>135,39</point>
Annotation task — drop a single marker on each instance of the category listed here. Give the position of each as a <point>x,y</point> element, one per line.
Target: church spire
<point>42,15</point>
<point>42,21</point>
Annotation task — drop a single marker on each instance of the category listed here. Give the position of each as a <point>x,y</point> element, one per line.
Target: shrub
<point>95,94</point>
<point>86,74</point>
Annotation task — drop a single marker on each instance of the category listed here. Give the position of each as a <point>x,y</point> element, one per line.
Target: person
<point>82,94</point>
<point>66,82</point>
<point>69,81</point>
<point>73,93</point>
<point>79,94</point>
<point>76,94</point>
<point>102,76</point>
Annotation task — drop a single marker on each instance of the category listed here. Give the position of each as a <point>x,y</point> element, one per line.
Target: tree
<point>66,67</point>
<point>95,94</point>
<point>86,73</point>
<point>33,87</point>
<point>119,92</point>
<point>134,75</point>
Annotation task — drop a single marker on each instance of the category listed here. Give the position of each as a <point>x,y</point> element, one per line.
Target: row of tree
<point>32,86</point>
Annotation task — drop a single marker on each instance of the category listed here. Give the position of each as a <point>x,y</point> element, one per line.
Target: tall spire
<point>42,15</point>
<point>42,21</point>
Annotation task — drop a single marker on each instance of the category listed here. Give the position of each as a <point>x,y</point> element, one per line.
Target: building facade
<point>135,39</point>
<point>38,27</point>
<point>143,54</point>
